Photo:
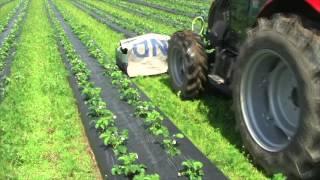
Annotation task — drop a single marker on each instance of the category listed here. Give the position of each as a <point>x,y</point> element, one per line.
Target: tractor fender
<point>314,4</point>
<point>307,8</point>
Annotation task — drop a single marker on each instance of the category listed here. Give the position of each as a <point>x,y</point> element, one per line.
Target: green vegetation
<point>10,40</point>
<point>192,169</point>
<point>188,7</point>
<point>217,138</point>
<point>152,118</point>
<point>109,133</point>
<point>174,20</point>
<point>41,136</point>
<point>6,14</point>
<point>131,21</point>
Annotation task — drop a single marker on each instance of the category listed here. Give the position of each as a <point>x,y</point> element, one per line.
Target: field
<point>41,124</point>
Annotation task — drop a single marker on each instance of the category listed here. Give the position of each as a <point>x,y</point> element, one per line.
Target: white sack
<point>143,55</point>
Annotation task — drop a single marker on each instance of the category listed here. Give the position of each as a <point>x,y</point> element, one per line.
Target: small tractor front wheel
<point>187,64</point>
<point>277,96</point>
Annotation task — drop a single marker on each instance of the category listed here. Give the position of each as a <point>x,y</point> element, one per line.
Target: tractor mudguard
<point>307,7</point>
<point>315,4</point>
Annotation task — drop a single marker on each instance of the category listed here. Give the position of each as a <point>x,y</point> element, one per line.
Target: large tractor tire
<point>187,63</point>
<point>277,96</point>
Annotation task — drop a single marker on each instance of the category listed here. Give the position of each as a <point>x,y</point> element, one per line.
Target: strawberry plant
<point>105,122</point>
<point>90,92</point>
<point>124,83</point>
<point>153,117</point>
<point>113,138</point>
<point>97,107</point>
<point>158,129</point>
<point>170,144</point>
<point>128,166</point>
<point>116,76</point>
<point>130,95</point>
<point>79,67</point>
<point>143,176</point>
<point>192,169</point>
<point>142,108</point>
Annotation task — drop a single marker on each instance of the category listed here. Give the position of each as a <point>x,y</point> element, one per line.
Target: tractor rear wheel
<point>187,64</point>
<point>277,96</point>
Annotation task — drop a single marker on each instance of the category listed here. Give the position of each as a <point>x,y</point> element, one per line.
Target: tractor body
<point>229,21</point>
<point>267,56</point>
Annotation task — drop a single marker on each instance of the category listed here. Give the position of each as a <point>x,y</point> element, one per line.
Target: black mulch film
<point>140,141</point>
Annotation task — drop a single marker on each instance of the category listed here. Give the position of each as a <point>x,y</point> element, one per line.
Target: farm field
<point>46,82</point>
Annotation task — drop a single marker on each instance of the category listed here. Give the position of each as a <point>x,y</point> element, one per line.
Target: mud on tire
<point>300,47</point>
<point>187,63</point>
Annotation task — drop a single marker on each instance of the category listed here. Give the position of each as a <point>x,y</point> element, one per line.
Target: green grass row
<point>41,135</point>
<point>208,122</point>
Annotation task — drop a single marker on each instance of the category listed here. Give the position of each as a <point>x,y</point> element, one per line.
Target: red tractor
<point>267,54</point>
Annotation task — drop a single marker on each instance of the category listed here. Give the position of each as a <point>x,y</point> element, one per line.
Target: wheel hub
<point>270,100</point>
<point>178,66</point>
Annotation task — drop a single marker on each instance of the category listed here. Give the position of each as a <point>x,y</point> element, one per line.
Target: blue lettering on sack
<point>146,52</point>
<point>162,45</point>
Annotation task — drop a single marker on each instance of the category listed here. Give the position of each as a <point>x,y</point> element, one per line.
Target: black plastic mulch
<point>150,152</point>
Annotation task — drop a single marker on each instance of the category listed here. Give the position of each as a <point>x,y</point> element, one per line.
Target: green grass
<point>41,135</point>
<point>208,122</point>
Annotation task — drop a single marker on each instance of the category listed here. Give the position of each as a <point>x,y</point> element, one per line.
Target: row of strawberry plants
<point>132,22</point>
<point>177,21</point>
<point>8,44</point>
<point>103,118</point>
<point>131,95</point>
<point>143,109</point>
<point>183,11</point>
<point>9,17</point>
<point>188,6</point>
<point>9,40</point>
<point>5,11</point>
<point>211,114</point>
